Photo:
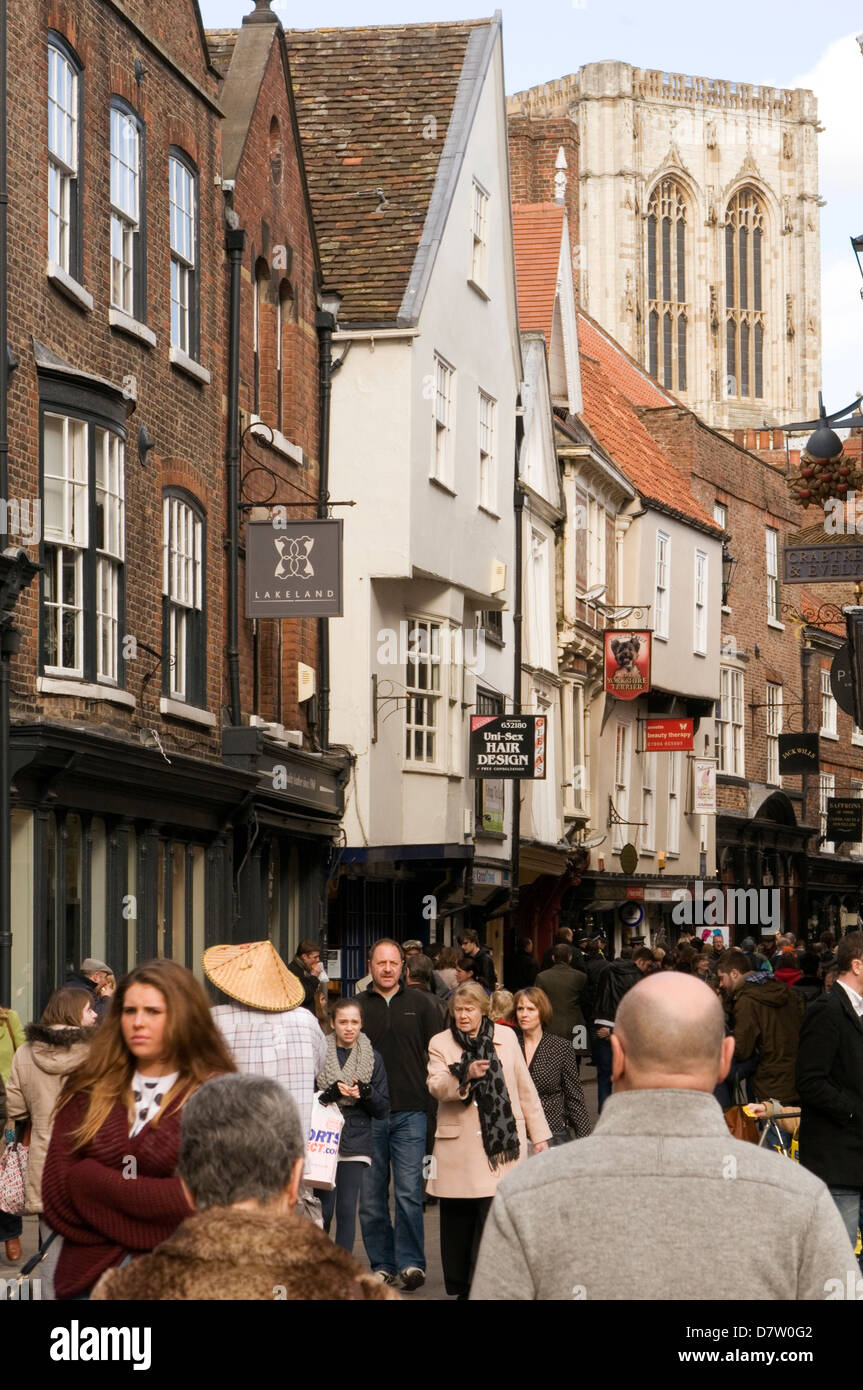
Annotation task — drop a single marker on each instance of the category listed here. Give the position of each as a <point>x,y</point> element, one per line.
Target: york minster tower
<point>694,213</point>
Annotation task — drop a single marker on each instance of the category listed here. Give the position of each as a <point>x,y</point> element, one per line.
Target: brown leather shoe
<point>13,1250</point>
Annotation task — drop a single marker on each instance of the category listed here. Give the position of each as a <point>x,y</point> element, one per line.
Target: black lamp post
<point>857,246</point>
<point>16,572</point>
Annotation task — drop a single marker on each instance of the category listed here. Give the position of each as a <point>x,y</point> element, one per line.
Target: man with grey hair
<point>93,976</point>
<point>242,1148</point>
<point>662,1139</point>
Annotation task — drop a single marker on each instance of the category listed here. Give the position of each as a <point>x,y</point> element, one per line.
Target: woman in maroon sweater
<point>109,1187</point>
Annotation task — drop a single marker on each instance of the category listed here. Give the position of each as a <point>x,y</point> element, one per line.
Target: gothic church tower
<point>696,239</point>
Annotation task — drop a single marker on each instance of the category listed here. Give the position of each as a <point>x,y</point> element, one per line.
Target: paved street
<point>434,1286</point>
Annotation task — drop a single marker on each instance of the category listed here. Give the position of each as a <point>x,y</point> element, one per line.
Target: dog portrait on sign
<point>627,664</point>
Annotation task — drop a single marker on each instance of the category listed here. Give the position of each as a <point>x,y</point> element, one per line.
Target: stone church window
<point>667,309</point>
<point>744,313</point>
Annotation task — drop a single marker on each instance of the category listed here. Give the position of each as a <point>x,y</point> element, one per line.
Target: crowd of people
<point>167,1134</point>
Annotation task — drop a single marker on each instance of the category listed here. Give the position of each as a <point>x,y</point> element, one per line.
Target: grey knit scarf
<point>359,1066</point>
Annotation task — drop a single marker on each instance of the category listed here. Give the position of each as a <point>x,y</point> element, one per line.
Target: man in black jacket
<point>830,1085</point>
<point>399,1023</point>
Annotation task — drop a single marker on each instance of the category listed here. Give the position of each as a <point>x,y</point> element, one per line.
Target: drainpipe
<point>5,774</point>
<point>803,887</point>
<point>235,244</point>
<point>325,322</point>
<point>517,622</point>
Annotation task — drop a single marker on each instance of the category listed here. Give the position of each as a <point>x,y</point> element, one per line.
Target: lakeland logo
<point>294,557</point>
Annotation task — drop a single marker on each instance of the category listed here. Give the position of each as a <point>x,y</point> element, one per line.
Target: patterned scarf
<point>359,1065</point>
<point>497,1123</point>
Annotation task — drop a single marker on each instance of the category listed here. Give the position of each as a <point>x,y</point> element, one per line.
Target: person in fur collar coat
<point>242,1150</point>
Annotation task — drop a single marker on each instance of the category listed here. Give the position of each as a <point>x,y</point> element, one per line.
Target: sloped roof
<point>628,375</point>
<point>614,422</point>
<point>374,108</point>
<point>221,45</point>
<point>537,232</point>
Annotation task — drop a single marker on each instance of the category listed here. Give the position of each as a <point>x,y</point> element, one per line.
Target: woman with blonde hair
<point>108,1185</point>
<point>487,1107</point>
<point>502,1008</point>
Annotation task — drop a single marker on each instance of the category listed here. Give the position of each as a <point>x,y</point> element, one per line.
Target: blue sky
<point>786,44</point>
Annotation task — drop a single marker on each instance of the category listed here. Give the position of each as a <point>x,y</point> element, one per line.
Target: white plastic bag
<point>322,1146</point>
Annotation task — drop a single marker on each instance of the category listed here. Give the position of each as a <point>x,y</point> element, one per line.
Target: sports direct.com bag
<point>322,1147</point>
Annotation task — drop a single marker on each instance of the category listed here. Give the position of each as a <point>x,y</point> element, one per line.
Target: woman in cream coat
<point>487,1107</point>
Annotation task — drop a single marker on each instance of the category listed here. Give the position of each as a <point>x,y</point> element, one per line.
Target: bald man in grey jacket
<point>663,1182</point>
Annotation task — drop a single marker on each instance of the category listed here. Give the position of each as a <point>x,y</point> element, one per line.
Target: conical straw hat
<point>254,974</point>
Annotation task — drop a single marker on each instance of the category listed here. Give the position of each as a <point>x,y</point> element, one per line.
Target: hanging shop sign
<point>627,663</point>
<point>703,787</point>
<point>668,735</point>
<point>294,570</point>
<point>840,680</point>
<point>508,745</point>
<point>844,819</point>
<point>798,753</point>
<point>801,564</point>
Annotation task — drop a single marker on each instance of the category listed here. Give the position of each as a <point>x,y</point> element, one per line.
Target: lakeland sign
<point>294,569</point>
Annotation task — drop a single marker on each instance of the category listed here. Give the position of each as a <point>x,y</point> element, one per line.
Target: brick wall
<point>270,202</point>
<point>184,418</point>
<point>753,489</point>
<point>533,151</point>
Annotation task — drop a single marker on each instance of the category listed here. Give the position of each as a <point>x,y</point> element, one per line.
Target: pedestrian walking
<point>487,1108</point>
<point>553,1067</point>
<point>830,1084</point>
<point>662,1139</point>
<point>307,967</point>
<point>267,1030</point>
<point>11,1038</point>
<point>765,1017</point>
<point>420,974</point>
<point>353,1078</point>
<point>484,965</point>
<point>502,1007</point>
<point>564,987</point>
<point>612,984</point>
<point>399,1023</point>
<point>96,977</point>
<point>446,963</point>
<point>54,1047</point>
<point>108,1185</point>
<point>242,1149</point>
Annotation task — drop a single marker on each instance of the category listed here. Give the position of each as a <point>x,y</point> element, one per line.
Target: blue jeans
<point>602,1058</point>
<point>849,1200</point>
<point>399,1141</point>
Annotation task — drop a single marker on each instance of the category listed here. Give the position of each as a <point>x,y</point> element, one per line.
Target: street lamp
<point>729,565</point>
<point>857,245</point>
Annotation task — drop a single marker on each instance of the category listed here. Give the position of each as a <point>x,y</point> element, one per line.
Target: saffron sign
<point>508,745</point>
<point>294,569</point>
<point>627,664</point>
<point>668,735</point>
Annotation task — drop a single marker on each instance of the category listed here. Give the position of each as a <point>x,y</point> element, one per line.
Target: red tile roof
<point>538,233</point>
<point>613,385</point>
<point>628,375</point>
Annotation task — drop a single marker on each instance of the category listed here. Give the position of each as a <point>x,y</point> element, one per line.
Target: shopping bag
<point>13,1176</point>
<point>322,1147</point>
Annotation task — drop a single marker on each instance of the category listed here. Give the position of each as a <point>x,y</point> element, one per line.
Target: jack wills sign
<point>798,753</point>
<point>294,570</point>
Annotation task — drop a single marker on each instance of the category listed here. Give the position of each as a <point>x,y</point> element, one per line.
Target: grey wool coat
<point>687,1212</point>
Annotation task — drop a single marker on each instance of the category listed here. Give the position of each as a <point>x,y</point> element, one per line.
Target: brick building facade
<point>134,833</point>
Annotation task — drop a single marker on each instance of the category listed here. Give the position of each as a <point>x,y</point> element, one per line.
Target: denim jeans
<point>342,1203</point>
<point>602,1058</point>
<point>399,1141</point>
<point>849,1200</point>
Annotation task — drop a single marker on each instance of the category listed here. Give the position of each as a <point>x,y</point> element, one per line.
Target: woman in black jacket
<point>353,1078</point>
<point>553,1067</point>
